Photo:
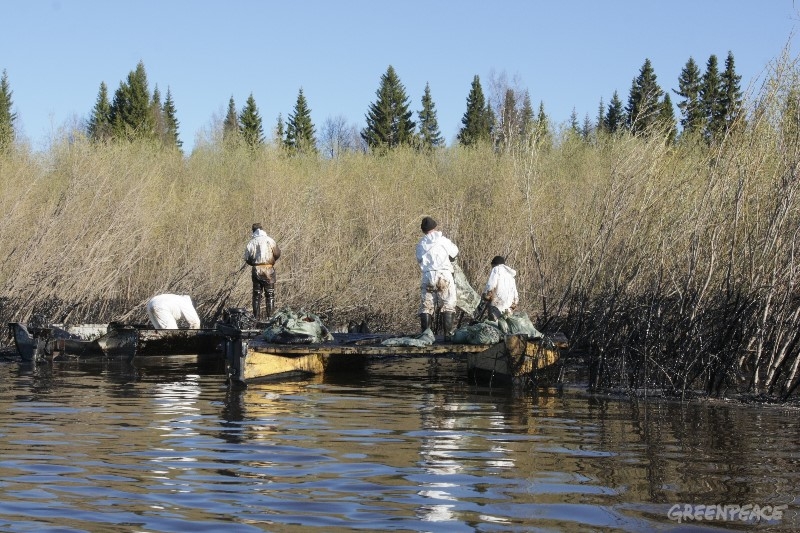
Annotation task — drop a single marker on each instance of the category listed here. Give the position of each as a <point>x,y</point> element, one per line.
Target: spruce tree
<point>171,123</point>
<point>527,122</point>
<point>99,127</point>
<point>574,126</point>
<point>586,129</point>
<point>429,135</point>
<point>159,126</point>
<point>542,131</point>
<point>300,132</point>
<point>666,119</point>
<point>643,100</point>
<point>477,120</point>
<point>730,94</point>
<point>600,125</point>
<point>509,126</point>
<point>7,118</point>
<point>389,121</point>
<point>231,129</point>
<point>710,98</point>
<point>252,129</point>
<point>614,120</point>
<point>279,133</point>
<point>693,117</point>
<point>131,116</point>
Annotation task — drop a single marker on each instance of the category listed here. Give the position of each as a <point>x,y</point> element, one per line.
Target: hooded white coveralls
<point>434,251</point>
<point>502,288</point>
<point>165,310</point>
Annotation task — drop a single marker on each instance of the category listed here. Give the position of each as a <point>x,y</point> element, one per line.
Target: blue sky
<point>568,54</point>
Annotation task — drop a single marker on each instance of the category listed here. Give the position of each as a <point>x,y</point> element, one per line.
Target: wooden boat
<point>59,342</point>
<point>517,359</point>
<point>249,357</point>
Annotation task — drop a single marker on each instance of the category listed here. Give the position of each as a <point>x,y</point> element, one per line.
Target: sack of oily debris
<point>301,327</point>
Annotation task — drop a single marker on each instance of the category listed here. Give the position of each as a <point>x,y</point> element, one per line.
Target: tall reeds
<point>669,267</point>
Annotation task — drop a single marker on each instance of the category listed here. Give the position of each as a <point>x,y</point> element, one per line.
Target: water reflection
<point>403,446</point>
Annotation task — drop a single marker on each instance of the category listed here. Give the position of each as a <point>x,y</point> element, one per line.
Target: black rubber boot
<point>424,322</point>
<point>270,302</point>
<point>448,323</point>
<point>257,305</point>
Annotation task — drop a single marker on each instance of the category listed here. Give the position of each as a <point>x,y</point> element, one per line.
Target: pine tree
<point>730,94</point>
<point>600,125</point>
<point>429,134</point>
<point>231,129</point>
<point>389,121</point>
<point>614,120</point>
<point>279,132</point>
<point>171,123</point>
<point>7,118</point>
<point>477,120</point>
<point>159,126</point>
<point>131,116</point>
<point>299,128</point>
<point>643,100</point>
<point>99,127</point>
<point>509,126</point>
<point>693,117</point>
<point>527,122</point>
<point>252,129</point>
<point>710,98</point>
<point>666,119</point>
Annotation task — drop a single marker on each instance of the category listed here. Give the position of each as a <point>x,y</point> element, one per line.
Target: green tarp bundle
<point>492,332</point>
<point>425,339</point>
<point>467,299</point>
<point>289,327</point>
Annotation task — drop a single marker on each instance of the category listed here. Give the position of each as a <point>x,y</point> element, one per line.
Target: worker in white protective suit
<point>435,254</point>
<point>164,311</point>
<point>261,253</point>
<point>501,289</point>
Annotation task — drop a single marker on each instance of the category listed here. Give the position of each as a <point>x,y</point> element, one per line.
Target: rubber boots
<point>448,322</point>
<point>257,305</point>
<point>270,302</point>
<point>425,322</point>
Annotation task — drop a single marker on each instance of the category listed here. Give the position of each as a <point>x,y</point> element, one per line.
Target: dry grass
<point>668,267</point>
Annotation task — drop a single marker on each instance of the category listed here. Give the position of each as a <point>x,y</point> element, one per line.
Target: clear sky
<point>568,54</point>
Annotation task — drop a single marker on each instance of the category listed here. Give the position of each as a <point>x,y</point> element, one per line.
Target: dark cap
<point>256,226</point>
<point>427,224</point>
<point>498,260</point>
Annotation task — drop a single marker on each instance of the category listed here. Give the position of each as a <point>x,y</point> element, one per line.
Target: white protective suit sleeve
<point>434,251</point>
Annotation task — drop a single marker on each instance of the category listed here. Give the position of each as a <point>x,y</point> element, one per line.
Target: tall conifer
<point>389,121</point>
<point>710,97</point>
<point>730,93</point>
<point>252,128</point>
<point>7,118</point>
<point>99,127</point>
<point>614,120</point>
<point>644,100</point>
<point>429,134</point>
<point>171,124</point>
<point>477,120</point>
<point>231,129</point>
<point>693,117</point>
<point>300,131</point>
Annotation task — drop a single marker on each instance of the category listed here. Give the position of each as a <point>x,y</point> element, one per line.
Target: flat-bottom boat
<point>124,341</point>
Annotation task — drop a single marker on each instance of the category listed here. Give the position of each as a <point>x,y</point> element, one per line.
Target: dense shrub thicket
<point>667,265</point>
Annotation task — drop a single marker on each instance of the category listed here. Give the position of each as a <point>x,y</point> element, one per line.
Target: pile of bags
<point>289,327</point>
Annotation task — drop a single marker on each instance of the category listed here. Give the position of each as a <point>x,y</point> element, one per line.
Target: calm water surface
<point>409,446</point>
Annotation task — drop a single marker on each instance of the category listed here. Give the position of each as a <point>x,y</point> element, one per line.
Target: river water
<point>403,446</point>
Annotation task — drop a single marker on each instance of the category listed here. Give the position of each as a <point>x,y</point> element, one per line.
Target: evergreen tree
<point>509,126</point>
<point>666,119</point>
<point>527,122</point>
<point>7,118</point>
<point>574,126</point>
<point>171,124</point>
<point>614,119</point>
<point>231,129</point>
<point>710,97</point>
<point>99,127</point>
<point>279,133</point>
<point>252,129</point>
<point>730,94</point>
<point>601,117</point>
<point>643,100</point>
<point>586,129</point>
<point>542,128</point>
<point>389,121</point>
<point>131,116</point>
<point>693,116</point>
<point>159,126</point>
<point>299,128</point>
<point>477,120</point>
<point>429,135</point>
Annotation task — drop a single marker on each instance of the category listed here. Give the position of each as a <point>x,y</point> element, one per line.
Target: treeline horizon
<point>669,264</point>
<point>710,101</point>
